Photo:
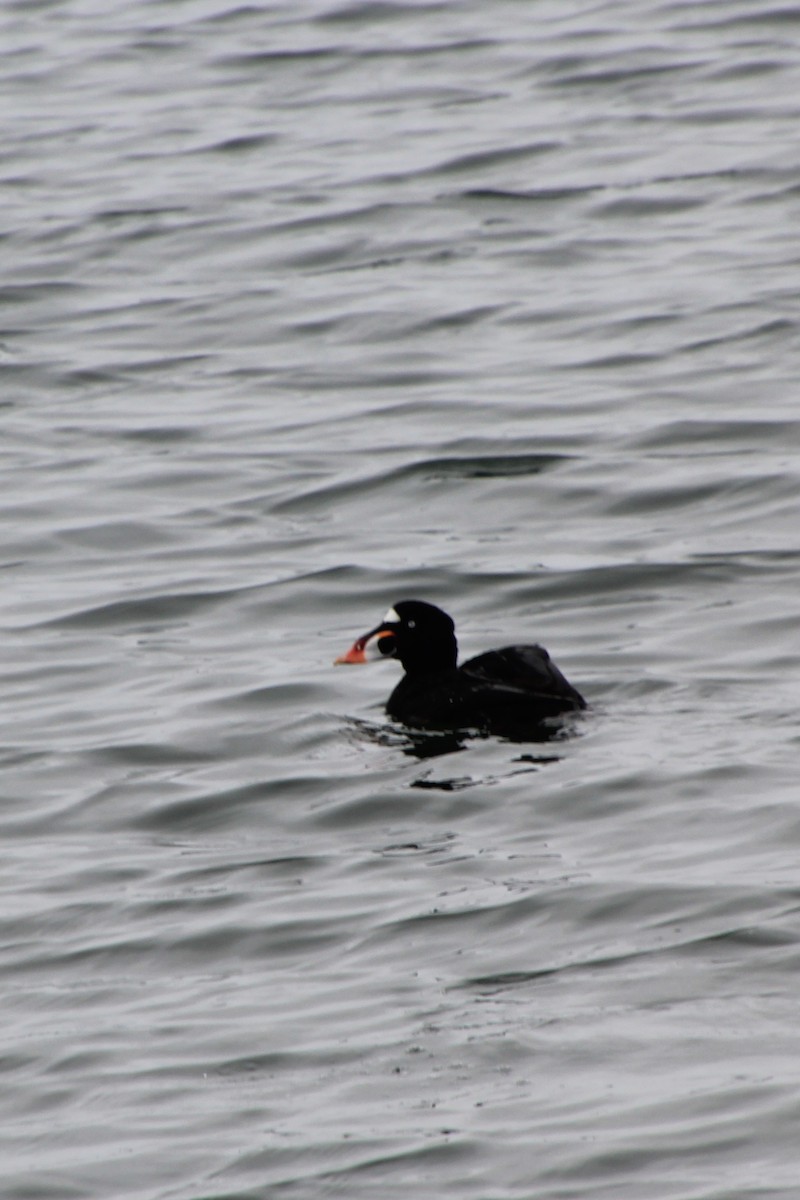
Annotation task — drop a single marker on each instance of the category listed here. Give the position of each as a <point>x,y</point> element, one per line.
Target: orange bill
<point>368,646</point>
<point>354,655</point>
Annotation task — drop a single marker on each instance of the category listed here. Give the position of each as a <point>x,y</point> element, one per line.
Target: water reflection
<point>428,743</point>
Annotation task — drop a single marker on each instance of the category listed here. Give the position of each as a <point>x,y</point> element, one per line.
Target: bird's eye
<point>412,624</point>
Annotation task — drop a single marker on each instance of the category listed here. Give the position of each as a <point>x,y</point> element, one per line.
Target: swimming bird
<point>509,692</point>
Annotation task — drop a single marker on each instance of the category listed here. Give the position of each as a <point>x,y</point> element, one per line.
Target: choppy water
<point>307,308</point>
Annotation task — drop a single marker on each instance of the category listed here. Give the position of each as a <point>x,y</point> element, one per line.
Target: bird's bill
<point>356,654</point>
<point>375,644</point>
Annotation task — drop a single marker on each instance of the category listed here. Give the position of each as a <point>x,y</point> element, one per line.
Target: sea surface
<point>306,308</point>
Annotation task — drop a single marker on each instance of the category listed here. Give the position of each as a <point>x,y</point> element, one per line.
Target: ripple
<point>307,308</point>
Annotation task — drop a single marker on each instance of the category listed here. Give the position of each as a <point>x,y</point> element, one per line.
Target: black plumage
<point>511,691</point>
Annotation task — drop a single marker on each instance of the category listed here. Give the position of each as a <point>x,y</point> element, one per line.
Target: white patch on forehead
<point>391,618</point>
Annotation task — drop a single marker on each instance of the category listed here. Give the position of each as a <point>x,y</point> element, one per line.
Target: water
<point>305,309</point>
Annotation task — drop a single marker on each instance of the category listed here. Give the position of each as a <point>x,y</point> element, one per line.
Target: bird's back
<point>528,670</point>
<point>509,692</point>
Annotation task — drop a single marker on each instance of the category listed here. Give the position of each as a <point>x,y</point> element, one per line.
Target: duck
<point>512,692</point>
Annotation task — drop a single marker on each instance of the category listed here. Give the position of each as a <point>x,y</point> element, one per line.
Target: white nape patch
<point>391,618</point>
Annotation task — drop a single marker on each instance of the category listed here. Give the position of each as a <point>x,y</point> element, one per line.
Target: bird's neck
<point>433,661</point>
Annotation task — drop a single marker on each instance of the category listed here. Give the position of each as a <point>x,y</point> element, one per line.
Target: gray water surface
<point>305,309</point>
